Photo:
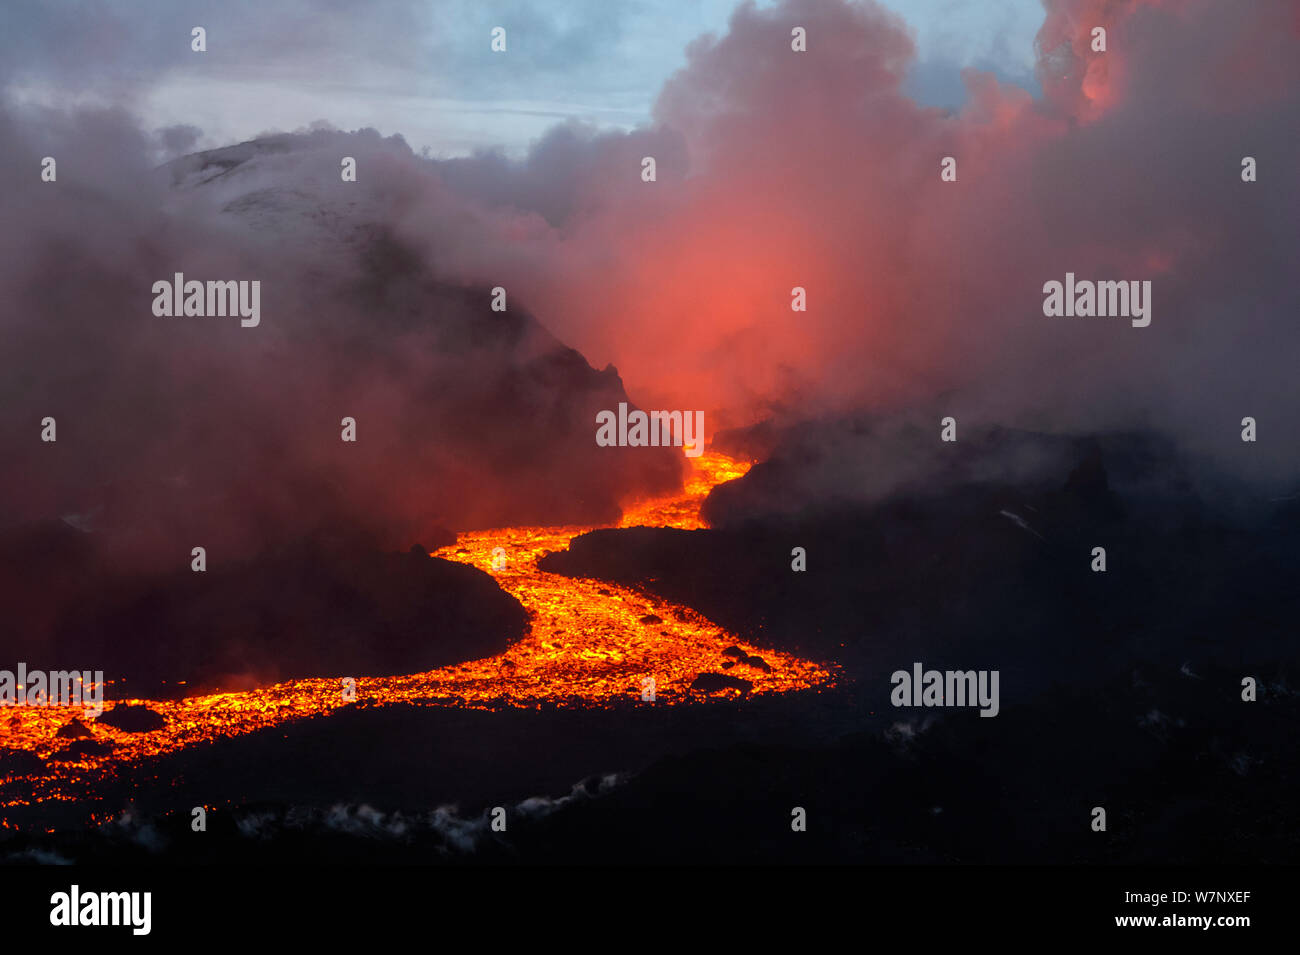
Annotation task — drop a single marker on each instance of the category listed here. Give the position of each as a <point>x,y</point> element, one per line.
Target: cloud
<point>180,432</point>
<point>178,140</point>
<point>426,69</point>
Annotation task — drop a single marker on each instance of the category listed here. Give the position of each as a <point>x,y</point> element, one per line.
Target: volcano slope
<point>1125,689</point>
<point>182,433</point>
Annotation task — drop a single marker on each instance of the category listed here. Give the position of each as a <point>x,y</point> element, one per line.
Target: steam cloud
<point>779,169</point>
<point>775,170</point>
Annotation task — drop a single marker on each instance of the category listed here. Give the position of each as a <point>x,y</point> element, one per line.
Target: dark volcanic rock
<point>715,783</point>
<point>83,748</point>
<point>989,568</point>
<point>312,610</point>
<point>712,682</point>
<point>19,762</point>
<point>966,791</point>
<point>133,719</point>
<point>74,729</point>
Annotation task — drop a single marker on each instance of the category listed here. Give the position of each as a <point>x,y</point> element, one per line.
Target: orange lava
<point>587,646</point>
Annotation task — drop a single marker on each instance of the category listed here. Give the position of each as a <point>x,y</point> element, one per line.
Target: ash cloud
<point>817,170</point>
<point>187,429</point>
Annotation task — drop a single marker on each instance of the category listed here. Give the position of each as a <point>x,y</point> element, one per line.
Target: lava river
<point>590,643</point>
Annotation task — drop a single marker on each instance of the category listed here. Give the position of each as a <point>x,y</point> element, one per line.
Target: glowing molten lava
<point>590,643</point>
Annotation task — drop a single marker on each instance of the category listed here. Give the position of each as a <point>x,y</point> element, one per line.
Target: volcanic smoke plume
<point>815,170</point>
<point>773,172</point>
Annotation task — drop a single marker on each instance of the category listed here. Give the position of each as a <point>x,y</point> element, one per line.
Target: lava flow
<point>590,643</point>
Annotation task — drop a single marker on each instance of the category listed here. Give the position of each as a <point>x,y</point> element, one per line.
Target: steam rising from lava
<point>779,169</point>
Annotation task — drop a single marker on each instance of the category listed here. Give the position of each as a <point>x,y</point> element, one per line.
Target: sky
<point>425,70</point>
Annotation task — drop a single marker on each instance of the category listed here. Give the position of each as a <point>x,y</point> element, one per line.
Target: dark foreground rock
<point>988,573</point>
<point>73,729</point>
<point>712,682</point>
<point>309,611</point>
<point>19,761</point>
<point>133,719</point>
<point>1186,771</point>
<point>83,748</point>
